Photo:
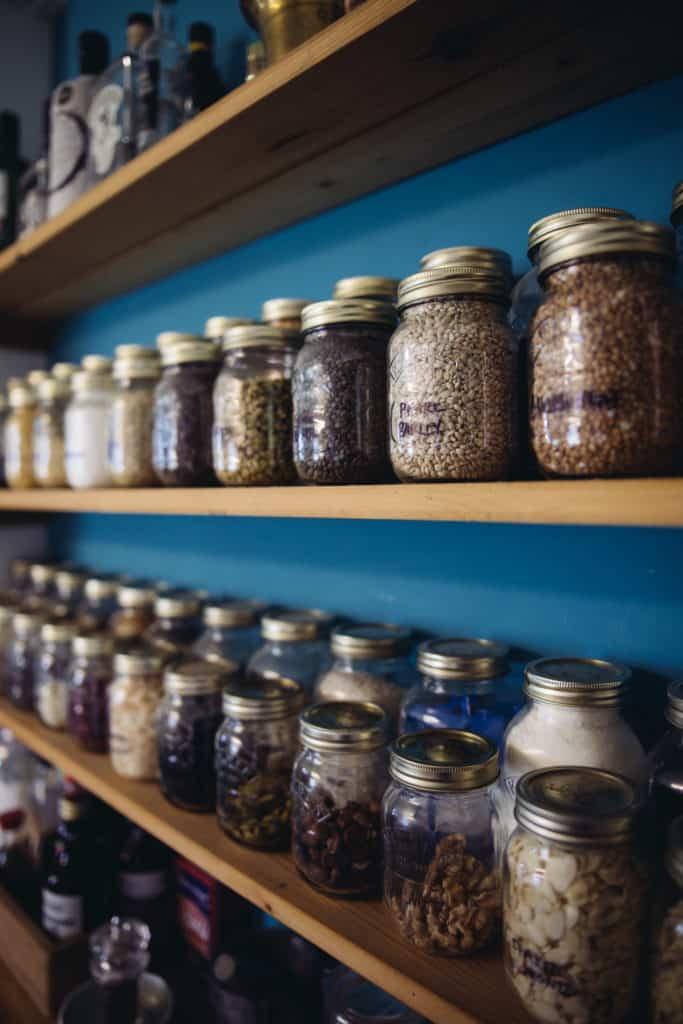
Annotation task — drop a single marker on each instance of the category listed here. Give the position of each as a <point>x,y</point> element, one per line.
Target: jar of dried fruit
<point>441,882</point>
<point>51,690</point>
<point>20,664</point>
<point>230,631</point>
<point>48,433</point>
<point>284,313</point>
<point>295,646</point>
<point>134,698</point>
<point>607,353</point>
<point>574,897</point>
<point>255,750</point>
<point>135,612</point>
<point>337,785</point>
<point>667,965</point>
<point>90,675</point>
<point>136,371</point>
<point>19,436</point>
<point>176,622</point>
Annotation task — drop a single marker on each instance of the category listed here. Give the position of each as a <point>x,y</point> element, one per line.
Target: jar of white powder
<point>86,430</point>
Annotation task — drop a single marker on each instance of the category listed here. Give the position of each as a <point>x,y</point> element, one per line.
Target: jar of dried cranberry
<point>90,675</point>
<point>176,625</point>
<point>21,654</point>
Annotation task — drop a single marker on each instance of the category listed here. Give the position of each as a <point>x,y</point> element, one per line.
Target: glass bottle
<point>145,891</point>
<point>21,654</point>
<point>90,676</point>
<point>135,612</point>
<point>295,646</point>
<point>53,657</point>
<point>19,436</point>
<point>48,434</point>
<point>119,953</point>
<point>354,999</point>
<point>69,874</point>
<point>161,78</point>
<point>176,623</point>
<point>10,169</point>
<point>99,602</point>
<point>667,961</point>
<point>86,430</point>
<point>284,313</point>
<point>202,85</point>
<point>134,698</point>
<point>337,786</point>
<point>230,632</point>
<point>667,765</point>
<point>136,371</point>
<point>17,871</point>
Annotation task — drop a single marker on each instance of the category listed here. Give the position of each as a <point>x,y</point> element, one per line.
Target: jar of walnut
<point>606,353</point>
<point>440,879</point>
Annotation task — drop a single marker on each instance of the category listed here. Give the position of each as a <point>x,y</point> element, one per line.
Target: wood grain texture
<point>15,1005</point>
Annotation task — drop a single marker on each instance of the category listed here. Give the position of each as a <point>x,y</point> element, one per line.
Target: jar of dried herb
<point>48,433</point>
<point>19,436</point>
<point>136,371</point>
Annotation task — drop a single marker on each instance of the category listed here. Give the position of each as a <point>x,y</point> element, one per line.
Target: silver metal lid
<point>100,588</point>
<point>25,622</point>
<point>674,851</point>
<point>367,286</point>
<point>677,203</point>
<point>440,760</point>
<point>348,311</point>
<point>198,350</point>
<point>564,220</point>
<point>195,677</point>
<point>674,708</point>
<point>57,632</point>
<point>606,238</point>
<point>36,377</point>
<point>176,604</point>
<point>577,682</point>
<point>232,613</point>
<point>87,644</point>
<point>462,658</point>
<point>263,699</point>
<point>216,326</point>
<point>140,594</point>
<point>297,624</point>
<point>344,725</point>
<point>273,310</point>
<point>138,660</point>
<point>260,336</point>
<point>370,640</point>
<point>97,364</point>
<point>470,256</point>
<point>451,281</point>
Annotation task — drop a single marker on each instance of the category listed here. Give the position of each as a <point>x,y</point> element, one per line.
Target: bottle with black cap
<point>9,174</point>
<point>67,872</point>
<point>203,84</point>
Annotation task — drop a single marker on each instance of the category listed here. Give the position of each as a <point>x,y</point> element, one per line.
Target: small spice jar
<point>337,785</point>
<point>607,353</point>
<point>99,603</point>
<point>295,646</point>
<point>574,895</point>
<point>255,750</point>
<point>367,286</point>
<point>667,762</point>
<point>667,962</point>
<point>19,436</point>
<point>189,717</point>
<point>48,433</point>
<point>252,402</point>
<point>183,413</point>
<point>135,612</point>
<point>216,326</point>
<point>51,689</point>
<point>136,371</point>
<point>230,632</point>
<point>370,664</point>
<point>284,313</point>
<point>21,656</point>
<point>339,392</point>
<point>441,884</point>
<point>86,430</point>
<point>69,585</point>
<point>176,622</point>
<point>464,684</point>
<point>453,377</point>
<point>134,697</point>
<point>90,676</point>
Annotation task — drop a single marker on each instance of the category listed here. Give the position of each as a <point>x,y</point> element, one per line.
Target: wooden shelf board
<point>361,934</point>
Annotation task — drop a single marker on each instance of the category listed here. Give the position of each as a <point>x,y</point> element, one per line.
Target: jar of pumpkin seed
<point>48,433</point>
<point>136,371</point>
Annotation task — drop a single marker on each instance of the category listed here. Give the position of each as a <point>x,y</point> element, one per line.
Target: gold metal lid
<point>370,640</point>
<point>604,238</point>
<point>577,805</point>
<point>97,364</point>
<point>367,286</point>
<point>99,588</point>
<point>139,594</point>
<point>199,350</point>
<point>138,660</point>
<point>564,220</point>
<point>69,582</point>
<point>677,203</point>
<point>262,699</point>
<point>26,622</point>
<point>167,338</point>
<point>674,708</point>
<point>36,377</point>
<point>85,381</point>
<point>462,658</point>
<point>53,387</point>
<point>87,644</point>
<point>57,632</point>
<point>297,624</point>
<point>71,809</point>
<point>136,361</point>
<point>216,326</point>
<point>577,682</point>
<point>176,604</point>
<point>344,725</point>
<point>441,282</point>
<point>674,851</point>
<point>496,260</point>
<point>439,760</point>
<point>42,574</point>
<point>283,309</point>
<point>20,395</point>
<point>233,614</point>
<point>64,371</point>
<point>194,677</point>
<point>7,613</point>
<point>347,311</point>
<point>259,335</point>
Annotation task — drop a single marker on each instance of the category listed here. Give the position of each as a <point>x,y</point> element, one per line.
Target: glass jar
<point>188,720</point>
<point>7,613</point>
<point>465,684</point>
<point>50,680</point>
<point>231,631</point>
<point>68,584</point>
<point>354,1000</point>
<point>453,377</point>
<point>284,313</point>
<point>119,953</point>
<point>677,220</point>
<point>295,646</point>
<point>134,697</point>
<point>19,436</point>
<point>176,623</point>
<point>370,664</point>
<point>607,353</point>
<point>337,786</point>
<point>3,416</point>
<point>48,433</point>
<point>667,962</point>
<point>667,764</point>
<point>216,326</point>
<point>21,655</point>
<point>135,614</point>
<point>252,403</point>
<point>367,286</point>
<point>20,575</point>
<point>86,430</point>
<point>136,371</point>
<point>183,413</point>
<point>90,676</point>
<point>255,750</point>
<point>574,897</point>
<point>339,392</point>
<point>99,603</point>
<point>441,883</point>
<point>43,577</point>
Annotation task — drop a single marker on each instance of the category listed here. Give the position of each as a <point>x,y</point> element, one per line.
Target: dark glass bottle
<point>69,874</point>
<point>145,892</point>
<point>10,165</point>
<point>17,873</point>
<point>203,84</point>
<point>667,760</point>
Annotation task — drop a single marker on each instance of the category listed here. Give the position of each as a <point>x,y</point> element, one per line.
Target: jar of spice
<point>667,762</point>
<point>90,676</point>
<point>295,646</point>
<point>607,353</point>
<point>21,656</point>
<point>69,585</point>
<point>86,430</point>
<point>19,436</point>
<point>183,414</point>
<point>255,750</point>
<point>136,371</point>
<point>337,785</point>
<point>216,326</point>
<point>51,690</point>
<point>231,631</point>
<point>370,664</point>
<point>575,890</point>
<point>135,612</point>
<point>441,883</point>
<point>48,433</point>
<point>134,697</point>
<point>176,622</point>
<point>667,966</point>
<point>99,602</point>
<point>189,717</point>
<point>339,392</point>
<point>284,313</point>
<point>375,289</point>
<point>453,377</point>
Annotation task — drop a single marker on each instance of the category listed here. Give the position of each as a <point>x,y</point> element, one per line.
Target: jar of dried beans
<point>20,664</point>
<point>90,675</point>
<point>441,882</point>
<point>230,632</point>
<point>295,646</point>
<point>19,436</point>
<point>135,612</point>
<point>136,371</point>
<point>134,698</point>
<point>574,897</point>
<point>48,433</point>
<point>338,782</point>
<point>607,353</point>
<point>86,430</point>
<point>667,965</point>
<point>51,690</point>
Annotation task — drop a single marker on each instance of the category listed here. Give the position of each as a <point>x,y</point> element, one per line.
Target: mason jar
<point>337,786</point>
<point>3,417</point>
<point>48,433</point>
<point>295,646</point>
<point>367,286</point>
<point>176,622</point>
<point>86,430</point>
<point>231,631</point>
<point>441,882</point>
<point>677,217</point>
<point>667,962</point>
<point>99,602</point>
<point>68,585</point>
<point>21,657</point>
<point>90,675</point>
<point>43,576</point>
<point>135,612</point>
<point>134,697</point>
<point>255,750</point>
<point>575,895</point>
<point>339,392</point>
<point>354,1000</point>
<point>136,372</point>
<point>18,436</point>
<point>284,313</point>
<point>667,764</point>
<point>50,674</point>
<point>216,326</point>
<point>7,613</point>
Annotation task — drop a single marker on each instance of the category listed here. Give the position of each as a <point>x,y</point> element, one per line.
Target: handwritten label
<point>562,401</point>
<point>418,419</point>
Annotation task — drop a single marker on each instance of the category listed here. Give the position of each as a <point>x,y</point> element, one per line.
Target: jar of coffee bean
<point>607,353</point>
<point>339,391</point>
<point>255,751</point>
<point>453,376</point>
<point>337,787</point>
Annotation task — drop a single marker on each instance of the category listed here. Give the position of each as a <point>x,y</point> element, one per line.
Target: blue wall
<point>587,591</point>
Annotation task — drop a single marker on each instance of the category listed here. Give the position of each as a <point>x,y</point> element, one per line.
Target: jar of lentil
<point>99,603</point>
<point>255,750</point>
<point>135,614</point>
<point>441,882</point>
<point>231,631</point>
<point>667,965</point>
<point>370,664</point>
<point>69,584</point>
<point>86,430</point>
<point>19,436</point>
<point>176,623</point>
<point>367,286</point>
<point>216,326</point>
<point>136,371</point>
<point>90,676</point>
<point>574,892</point>
<point>53,657</point>
<point>295,646</point>
<point>48,433</point>
<point>183,414</point>
<point>339,392</point>
<point>284,313</point>
<point>21,656</point>
<point>189,717</point>
<point>453,377</point>
<point>607,353</point>
<point>134,697</point>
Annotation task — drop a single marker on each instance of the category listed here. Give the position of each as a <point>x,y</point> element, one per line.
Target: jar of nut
<point>607,353</point>
<point>136,371</point>
<point>176,622</point>
<point>295,646</point>
<point>441,882</point>
<point>367,286</point>
<point>134,698</point>
<point>48,433</point>
<point>51,691</point>
<point>19,435</point>
<point>337,785</point>
<point>89,677</point>
<point>453,376</point>
<point>231,631</point>
<point>255,750</point>
<point>574,897</point>
<point>667,966</point>
<point>284,313</point>
<point>135,612</point>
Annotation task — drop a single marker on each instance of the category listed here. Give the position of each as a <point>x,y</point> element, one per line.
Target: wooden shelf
<point>391,89</point>
<point>361,934</point>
